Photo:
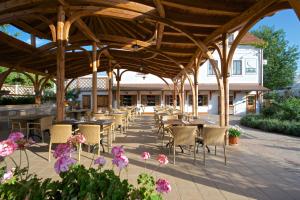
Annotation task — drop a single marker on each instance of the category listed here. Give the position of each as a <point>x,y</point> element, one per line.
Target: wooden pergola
<point>167,38</point>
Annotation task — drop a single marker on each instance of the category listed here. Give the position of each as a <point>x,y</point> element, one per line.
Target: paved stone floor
<point>262,166</point>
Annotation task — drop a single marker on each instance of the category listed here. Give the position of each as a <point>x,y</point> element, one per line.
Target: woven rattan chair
<point>110,127</point>
<point>18,126</point>
<point>165,128</point>
<point>120,122</point>
<point>214,135</point>
<point>183,135</point>
<point>59,134</point>
<point>92,134</point>
<point>43,125</point>
<point>98,115</point>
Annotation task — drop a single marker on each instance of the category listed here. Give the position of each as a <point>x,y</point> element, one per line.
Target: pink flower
<point>63,164</point>
<point>145,155</point>
<point>162,159</point>
<point>77,139</point>
<point>6,176</point>
<point>117,151</point>
<point>62,150</point>
<point>15,136</point>
<point>163,186</point>
<point>120,161</point>
<point>100,161</point>
<point>7,147</point>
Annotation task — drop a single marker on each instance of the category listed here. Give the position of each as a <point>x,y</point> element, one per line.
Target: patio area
<point>262,166</point>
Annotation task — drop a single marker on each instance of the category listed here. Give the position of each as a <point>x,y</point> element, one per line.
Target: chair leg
<point>99,149</point>
<point>49,152</point>
<point>89,148</point>
<point>225,158</point>
<point>195,154</point>
<point>204,155</point>
<point>79,152</point>
<point>174,152</point>
<point>215,150</point>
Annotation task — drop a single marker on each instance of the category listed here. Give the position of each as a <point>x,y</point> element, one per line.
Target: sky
<point>289,22</point>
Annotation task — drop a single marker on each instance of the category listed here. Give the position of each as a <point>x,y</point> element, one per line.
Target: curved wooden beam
<point>3,76</point>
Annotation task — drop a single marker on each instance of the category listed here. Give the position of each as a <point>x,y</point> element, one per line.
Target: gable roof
<point>251,39</point>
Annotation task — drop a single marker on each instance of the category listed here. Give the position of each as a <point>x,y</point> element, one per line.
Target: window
<point>169,100</point>
<point>210,68</point>
<point>151,100</point>
<point>202,100</point>
<point>237,67</point>
<point>128,100</point>
<point>231,100</point>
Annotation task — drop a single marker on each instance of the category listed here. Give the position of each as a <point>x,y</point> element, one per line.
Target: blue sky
<point>289,22</point>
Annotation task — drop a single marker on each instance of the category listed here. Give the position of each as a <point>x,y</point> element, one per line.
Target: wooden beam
<point>15,43</point>
<point>240,19</point>
<point>197,9</point>
<point>296,6</point>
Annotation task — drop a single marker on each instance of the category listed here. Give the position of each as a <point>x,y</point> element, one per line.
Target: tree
<point>282,57</point>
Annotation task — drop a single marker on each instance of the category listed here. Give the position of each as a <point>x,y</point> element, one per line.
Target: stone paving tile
<point>263,166</point>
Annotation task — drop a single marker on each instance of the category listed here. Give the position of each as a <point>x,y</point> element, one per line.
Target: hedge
<point>272,125</point>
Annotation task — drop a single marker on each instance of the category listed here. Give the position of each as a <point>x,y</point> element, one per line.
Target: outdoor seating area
<point>113,106</point>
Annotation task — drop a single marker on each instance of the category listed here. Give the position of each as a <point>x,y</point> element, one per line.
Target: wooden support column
<point>94,80</point>
<point>196,89</point>
<point>174,95</point>
<point>109,86</point>
<point>225,74</point>
<point>182,102</point>
<point>118,79</point>
<point>37,90</point>
<point>162,98</point>
<point>60,71</point>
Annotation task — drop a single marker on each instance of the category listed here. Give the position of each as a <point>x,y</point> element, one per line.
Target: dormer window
<point>237,68</point>
<point>210,70</point>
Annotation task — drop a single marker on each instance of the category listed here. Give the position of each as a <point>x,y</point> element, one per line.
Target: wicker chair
<point>214,135</point>
<point>19,126</point>
<point>59,133</point>
<point>164,128</point>
<point>98,115</point>
<point>110,127</point>
<point>92,134</point>
<point>120,122</point>
<point>183,135</point>
<point>42,126</point>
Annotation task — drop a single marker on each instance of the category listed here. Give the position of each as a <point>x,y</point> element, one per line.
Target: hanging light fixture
<point>135,46</point>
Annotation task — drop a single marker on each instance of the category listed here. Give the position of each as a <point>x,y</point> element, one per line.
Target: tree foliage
<point>282,57</point>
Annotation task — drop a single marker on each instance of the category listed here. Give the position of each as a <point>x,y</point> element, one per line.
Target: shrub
<point>272,125</point>
<point>11,100</point>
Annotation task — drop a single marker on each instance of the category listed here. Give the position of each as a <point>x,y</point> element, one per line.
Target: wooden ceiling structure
<point>168,34</point>
<point>167,38</point>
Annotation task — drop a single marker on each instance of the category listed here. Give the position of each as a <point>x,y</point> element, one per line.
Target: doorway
<point>251,104</point>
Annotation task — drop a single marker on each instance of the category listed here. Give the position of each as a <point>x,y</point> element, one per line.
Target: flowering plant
<point>77,181</point>
<point>235,131</point>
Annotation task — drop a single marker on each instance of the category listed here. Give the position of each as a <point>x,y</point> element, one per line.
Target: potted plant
<point>234,134</point>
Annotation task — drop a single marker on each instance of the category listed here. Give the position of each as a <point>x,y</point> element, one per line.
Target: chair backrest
<point>60,133</point>
<point>98,115</point>
<point>107,117</point>
<point>90,132</point>
<point>168,117</point>
<point>46,123</point>
<point>119,120</point>
<point>214,135</point>
<point>184,135</point>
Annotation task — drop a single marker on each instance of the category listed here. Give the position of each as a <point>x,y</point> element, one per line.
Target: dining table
<point>100,123</point>
<point>76,113</point>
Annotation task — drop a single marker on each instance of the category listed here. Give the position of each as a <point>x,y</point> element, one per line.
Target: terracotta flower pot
<point>233,140</point>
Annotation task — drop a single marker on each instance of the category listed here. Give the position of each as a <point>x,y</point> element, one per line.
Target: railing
<point>18,90</point>
<point>86,83</point>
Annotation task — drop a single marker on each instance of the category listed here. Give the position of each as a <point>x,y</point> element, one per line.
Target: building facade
<point>246,85</point>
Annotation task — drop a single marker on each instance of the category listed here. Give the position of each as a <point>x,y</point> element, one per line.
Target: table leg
<point>109,139</point>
